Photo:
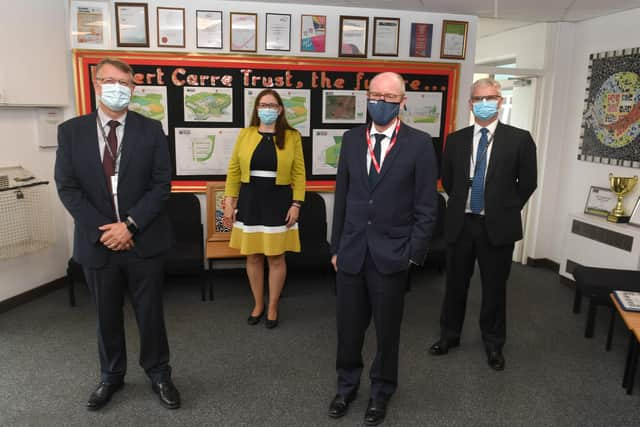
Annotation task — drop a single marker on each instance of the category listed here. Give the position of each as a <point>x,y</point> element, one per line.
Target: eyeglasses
<point>111,81</point>
<point>486,98</point>
<point>268,105</point>
<point>393,97</point>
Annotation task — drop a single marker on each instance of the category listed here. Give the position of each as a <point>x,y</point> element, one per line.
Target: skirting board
<point>34,293</point>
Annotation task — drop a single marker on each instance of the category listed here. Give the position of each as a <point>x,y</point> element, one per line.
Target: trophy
<point>620,185</point>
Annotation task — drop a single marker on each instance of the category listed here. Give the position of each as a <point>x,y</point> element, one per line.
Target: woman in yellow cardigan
<point>263,193</point>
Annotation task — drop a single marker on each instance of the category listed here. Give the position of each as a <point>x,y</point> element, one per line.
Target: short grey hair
<point>486,82</point>
<point>396,76</point>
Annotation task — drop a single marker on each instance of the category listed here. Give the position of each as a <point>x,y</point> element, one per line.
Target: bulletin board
<point>203,100</point>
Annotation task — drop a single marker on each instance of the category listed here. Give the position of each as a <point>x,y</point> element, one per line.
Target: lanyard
<point>116,158</point>
<point>394,136</point>
<point>481,156</point>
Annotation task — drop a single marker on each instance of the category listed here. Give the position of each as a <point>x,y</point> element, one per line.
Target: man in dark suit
<point>385,211</point>
<point>113,174</point>
<point>489,172</point>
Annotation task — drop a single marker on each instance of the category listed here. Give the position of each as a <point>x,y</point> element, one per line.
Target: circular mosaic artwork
<point>617,110</point>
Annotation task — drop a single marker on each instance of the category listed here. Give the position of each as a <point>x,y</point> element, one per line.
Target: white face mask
<point>115,96</point>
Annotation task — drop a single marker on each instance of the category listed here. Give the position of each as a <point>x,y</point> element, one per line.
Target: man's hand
<point>116,236</point>
<point>334,262</point>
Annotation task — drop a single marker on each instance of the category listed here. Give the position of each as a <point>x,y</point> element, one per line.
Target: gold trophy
<point>620,185</point>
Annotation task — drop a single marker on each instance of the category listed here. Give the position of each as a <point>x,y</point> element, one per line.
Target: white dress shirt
<point>384,144</point>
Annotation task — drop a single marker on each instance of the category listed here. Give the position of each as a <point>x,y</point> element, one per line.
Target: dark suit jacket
<point>144,185</point>
<point>510,180</point>
<point>394,220</point>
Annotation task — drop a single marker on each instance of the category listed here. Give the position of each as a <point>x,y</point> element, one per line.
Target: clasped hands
<point>116,236</point>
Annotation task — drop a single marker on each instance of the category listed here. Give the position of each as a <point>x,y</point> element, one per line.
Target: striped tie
<point>477,186</point>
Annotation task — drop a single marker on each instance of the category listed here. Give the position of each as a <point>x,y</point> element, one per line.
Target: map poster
<point>208,104</point>
<point>151,102</point>
<point>344,106</point>
<point>204,151</point>
<point>296,102</point>
<point>424,112</point>
<point>326,151</point>
<point>611,118</point>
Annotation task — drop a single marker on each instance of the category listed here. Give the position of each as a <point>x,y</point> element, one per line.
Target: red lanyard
<point>394,136</point>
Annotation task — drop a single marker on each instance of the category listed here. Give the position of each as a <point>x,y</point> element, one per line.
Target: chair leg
<point>211,280</point>
<point>72,293</point>
<point>612,321</point>
<point>577,300</point>
<point>203,287</point>
<point>591,319</point>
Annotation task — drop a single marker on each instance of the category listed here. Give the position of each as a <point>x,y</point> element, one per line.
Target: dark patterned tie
<point>373,173</point>
<point>477,186</point>
<point>108,161</point>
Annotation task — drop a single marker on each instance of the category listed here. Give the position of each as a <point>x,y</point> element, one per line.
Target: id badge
<point>114,184</point>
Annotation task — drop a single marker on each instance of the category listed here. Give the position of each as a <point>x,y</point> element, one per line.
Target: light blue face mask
<point>484,110</point>
<point>115,96</point>
<point>268,116</point>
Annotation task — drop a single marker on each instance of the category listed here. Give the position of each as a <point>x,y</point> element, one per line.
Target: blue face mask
<point>382,112</point>
<point>484,110</point>
<point>115,96</point>
<point>268,115</point>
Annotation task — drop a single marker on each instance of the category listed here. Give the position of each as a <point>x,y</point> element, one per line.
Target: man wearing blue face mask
<point>113,174</point>
<point>384,213</point>
<point>489,172</point>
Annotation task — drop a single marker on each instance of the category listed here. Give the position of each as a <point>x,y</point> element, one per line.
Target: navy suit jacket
<point>510,180</point>
<point>143,187</point>
<point>393,220</point>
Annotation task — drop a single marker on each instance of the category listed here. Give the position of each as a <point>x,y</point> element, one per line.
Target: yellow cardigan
<point>290,169</point>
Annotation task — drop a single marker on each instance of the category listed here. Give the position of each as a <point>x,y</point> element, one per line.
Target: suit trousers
<point>495,264</point>
<point>143,279</point>
<point>359,297</point>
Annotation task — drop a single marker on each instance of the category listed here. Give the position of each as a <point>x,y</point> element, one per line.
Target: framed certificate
<point>385,36</point>
<point>354,31</point>
<point>421,37</point>
<point>132,26</point>
<point>244,30</point>
<point>90,25</point>
<point>277,32</point>
<point>600,201</point>
<point>208,29</point>
<point>453,44</point>
<point>313,33</point>
<point>170,26</point>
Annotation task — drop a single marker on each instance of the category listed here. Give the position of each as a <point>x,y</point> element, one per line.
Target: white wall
<point>527,45</point>
<point>19,144</point>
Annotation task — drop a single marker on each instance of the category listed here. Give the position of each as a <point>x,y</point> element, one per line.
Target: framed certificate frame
<point>313,33</point>
<point>354,32</point>
<point>385,36</point>
<point>421,37</point>
<point>209,29</point>
<point>277,32</point>
<point>600,201</point>
<point>170,26</point>
<point>453,44</point>
<point>244,31</point>
<point>132,24</point>
<point>635,215</point>
<point>90,25</point>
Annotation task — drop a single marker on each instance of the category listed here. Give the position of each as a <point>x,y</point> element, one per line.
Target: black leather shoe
<point>102,395</point>
<point>270,324</point>
<point>339,406</point>
<point>252,320</point>
<point>375,413</point>
<point>168,394</point>
<point>442,346</point>
<point>495,359</point>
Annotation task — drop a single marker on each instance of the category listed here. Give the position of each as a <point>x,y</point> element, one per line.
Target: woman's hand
<point>229,212</point>
<point>292,215</point>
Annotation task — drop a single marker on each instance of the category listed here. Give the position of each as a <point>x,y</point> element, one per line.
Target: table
<point>632,321</point>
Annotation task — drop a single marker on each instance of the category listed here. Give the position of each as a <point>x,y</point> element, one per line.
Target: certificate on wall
<point>90,25</point>
<point>278,32</point>
<point>385,36</point>
<point>454,39</point>
<point>313,33</point>
<point>132,24</point>
<point>421,37</point>
<point>209,29</point>
<point>353,36</point>
<point>170,27</point>
<point>244,28</point>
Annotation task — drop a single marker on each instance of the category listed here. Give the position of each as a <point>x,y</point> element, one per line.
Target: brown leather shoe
<point>102,395</point>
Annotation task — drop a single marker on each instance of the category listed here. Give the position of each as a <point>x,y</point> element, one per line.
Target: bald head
<point>389,80</point>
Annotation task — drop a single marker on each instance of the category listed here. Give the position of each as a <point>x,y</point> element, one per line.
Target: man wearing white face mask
<point>489,172</point>
<point>113,174</point>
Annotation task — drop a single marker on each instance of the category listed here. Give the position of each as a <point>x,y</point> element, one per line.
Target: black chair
<point>315,251</point>
<point>186,257</point>
<point>437,255</point>
<point>75,274</point>
<point>596,284</point>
